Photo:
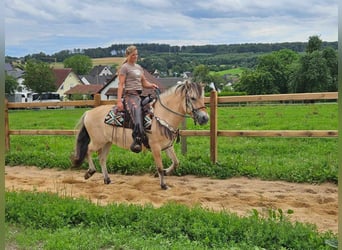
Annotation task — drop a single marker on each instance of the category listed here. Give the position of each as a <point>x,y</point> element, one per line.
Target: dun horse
<point>170,108</point>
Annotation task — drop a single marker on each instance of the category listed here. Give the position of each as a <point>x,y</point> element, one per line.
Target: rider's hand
<point>119,105</point>
<point>155,86</point>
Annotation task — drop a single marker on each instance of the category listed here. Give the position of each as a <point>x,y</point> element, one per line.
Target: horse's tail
<point>82,141</point>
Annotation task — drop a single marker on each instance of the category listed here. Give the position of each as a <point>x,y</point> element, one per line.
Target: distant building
<point>22,93</point>
<point>98,75</point>
<point>85,92</point>
<point>65,80</point>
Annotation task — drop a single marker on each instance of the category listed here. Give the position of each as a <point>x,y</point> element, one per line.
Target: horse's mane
<point>183,87</point>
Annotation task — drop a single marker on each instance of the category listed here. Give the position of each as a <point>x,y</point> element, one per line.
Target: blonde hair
<point>130,49</point>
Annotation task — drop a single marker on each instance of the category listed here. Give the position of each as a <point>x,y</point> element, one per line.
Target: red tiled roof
<point>84,89</point>
<point>60,75</point>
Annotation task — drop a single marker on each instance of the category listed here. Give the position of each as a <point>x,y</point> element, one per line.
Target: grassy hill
<point>96,61</point>
<point>235,71</point>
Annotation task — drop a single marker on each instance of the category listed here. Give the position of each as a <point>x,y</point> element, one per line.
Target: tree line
<point>286,71</point>
<point>269,68</point>
<point>146,49</point>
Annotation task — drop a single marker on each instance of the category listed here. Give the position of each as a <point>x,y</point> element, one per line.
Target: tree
<point>39,77</point>
<point>312,74</point>
<point>80,64</point>
<point>317,69</point>
<point>279,64</point>
<point>201,74</point>
<point>271,75</point>
<point>257,82</point>
<point>330,55</point>
<point>11,84</point>
<point>314,43</point>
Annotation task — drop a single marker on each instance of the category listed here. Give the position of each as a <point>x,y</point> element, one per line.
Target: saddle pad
<point>115,118</point>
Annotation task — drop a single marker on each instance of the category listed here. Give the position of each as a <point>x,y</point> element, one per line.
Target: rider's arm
<point>147,84</point>
<point>122,79</point>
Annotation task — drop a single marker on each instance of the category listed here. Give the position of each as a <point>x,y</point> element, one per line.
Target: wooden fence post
<point>7,136</point>
<point>97,100</point>
<point>213,126</point>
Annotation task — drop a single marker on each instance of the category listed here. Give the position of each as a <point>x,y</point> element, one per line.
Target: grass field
<point>108,61</point>
<point>235,71</point>
<point>96,61</point>
<point>291,159</point>
<point>45,221</point>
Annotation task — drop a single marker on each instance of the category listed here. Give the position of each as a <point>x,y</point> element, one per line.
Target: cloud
<point>33,26</point>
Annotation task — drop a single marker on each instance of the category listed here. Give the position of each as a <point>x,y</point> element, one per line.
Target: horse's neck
<point>174,113</point>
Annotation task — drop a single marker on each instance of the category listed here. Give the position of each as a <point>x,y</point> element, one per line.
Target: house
<point>65,80</point>
<point>84,92</point>
<point>109,91</point>
<point>22,93</point>
<point>101,70</point>
<point>98,75</point>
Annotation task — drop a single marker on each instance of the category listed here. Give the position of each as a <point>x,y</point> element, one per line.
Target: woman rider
<point>131,83</point>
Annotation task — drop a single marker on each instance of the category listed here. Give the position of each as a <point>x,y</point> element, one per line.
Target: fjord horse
<point>170,108</point>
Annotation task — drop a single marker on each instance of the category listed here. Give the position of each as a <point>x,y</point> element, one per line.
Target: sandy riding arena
<point>315,204</point>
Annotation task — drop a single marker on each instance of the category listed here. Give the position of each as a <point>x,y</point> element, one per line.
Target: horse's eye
<point>193,99</point>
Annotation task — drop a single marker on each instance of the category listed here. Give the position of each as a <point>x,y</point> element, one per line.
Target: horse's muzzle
<point>201,117</point>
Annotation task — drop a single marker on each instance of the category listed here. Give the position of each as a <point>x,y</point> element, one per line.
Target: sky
<point>50,26</point>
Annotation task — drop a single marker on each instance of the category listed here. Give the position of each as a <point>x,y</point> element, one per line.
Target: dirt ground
<point>316,204</point>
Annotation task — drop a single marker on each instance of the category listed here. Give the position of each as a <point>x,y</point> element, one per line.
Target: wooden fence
<point>213,101</point>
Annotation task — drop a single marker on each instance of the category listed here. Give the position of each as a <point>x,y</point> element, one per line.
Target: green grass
<point>235,71</point>
<point>46,221</point>
<point>312,160</point>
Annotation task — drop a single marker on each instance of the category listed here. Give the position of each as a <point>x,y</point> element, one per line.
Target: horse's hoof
<point>164,186</point>
<point>107,181</point>
<point>89,174</point>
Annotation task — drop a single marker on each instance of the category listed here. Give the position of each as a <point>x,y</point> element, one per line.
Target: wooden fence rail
<point>212,101</point>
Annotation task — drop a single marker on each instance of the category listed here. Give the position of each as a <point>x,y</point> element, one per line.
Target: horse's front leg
<point>170,152</point>
<point>159,165</point>
<point>103,153</point>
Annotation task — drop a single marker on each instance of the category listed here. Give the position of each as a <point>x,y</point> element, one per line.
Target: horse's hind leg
<point>103,153</point>
<point>170,152</point>
<point>91,170</point>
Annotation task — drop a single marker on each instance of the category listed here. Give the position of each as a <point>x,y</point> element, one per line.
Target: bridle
<point>188,103</point>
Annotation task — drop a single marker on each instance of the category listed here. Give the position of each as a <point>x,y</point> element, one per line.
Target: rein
<point>193,110</point>
<point>167,108</point>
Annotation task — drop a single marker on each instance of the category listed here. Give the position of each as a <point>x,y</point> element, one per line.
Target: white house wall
<point>112,84</point>
<point>70,81</point>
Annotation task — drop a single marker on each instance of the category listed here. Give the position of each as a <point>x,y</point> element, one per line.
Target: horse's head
<point>194,101</point>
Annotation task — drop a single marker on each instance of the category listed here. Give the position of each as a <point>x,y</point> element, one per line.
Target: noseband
<point>188,103</point>
<point>194,111</point>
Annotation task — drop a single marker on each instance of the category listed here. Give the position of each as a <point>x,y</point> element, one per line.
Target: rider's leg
<point>134,108</point>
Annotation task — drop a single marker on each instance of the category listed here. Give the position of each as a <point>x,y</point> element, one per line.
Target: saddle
<point>123,119</point>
